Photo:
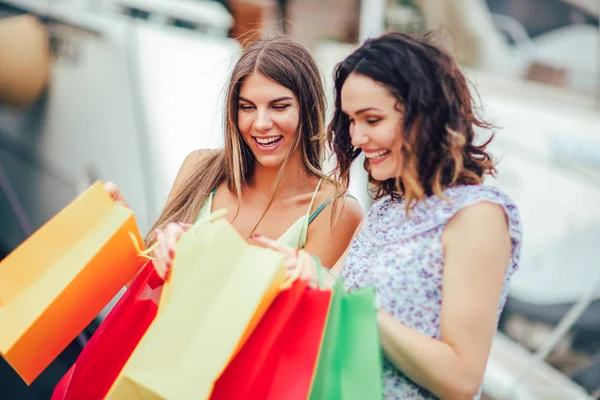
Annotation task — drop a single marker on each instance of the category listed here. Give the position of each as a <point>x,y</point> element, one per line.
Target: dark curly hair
<point>438,122</point>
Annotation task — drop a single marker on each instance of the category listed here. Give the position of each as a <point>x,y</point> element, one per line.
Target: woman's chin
<point>381,176</point>
<point>270,161</point>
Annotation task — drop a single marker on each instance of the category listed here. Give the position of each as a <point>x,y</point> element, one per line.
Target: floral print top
<point>403,258</point>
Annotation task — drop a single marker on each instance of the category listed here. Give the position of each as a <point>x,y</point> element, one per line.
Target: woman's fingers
<point>159,254</point>
<point>115,194</point>
<point>272,244</point>
<point>167,242</point>
<point>290,264</point>
<point>173,233</point>
<point>184,226</point>
<point>295,259</point>
<point>163,247</point>
<point>307,266</point>
<point>159,236</point>
<point>309,269</point>
<point>112,190</point>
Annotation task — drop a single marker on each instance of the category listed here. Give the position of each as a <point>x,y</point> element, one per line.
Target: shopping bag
<point>58,280</point>
<point>349,366</point>
<point>219,289</point>
<point>279,359</point>
<point>104,356</point>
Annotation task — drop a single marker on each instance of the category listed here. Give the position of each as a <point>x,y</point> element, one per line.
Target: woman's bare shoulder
<point>192,161</point>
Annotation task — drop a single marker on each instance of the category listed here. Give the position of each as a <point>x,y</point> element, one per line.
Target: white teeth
<point>268,141</point>
<point>376,154</point>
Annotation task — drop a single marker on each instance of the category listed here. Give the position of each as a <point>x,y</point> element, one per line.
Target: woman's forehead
<point>360,92</point>
<point>257,87</point>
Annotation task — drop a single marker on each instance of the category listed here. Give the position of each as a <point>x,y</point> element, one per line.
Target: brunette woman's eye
<point>280,106</point>
<point>245,107</point>
<point>373,121</point>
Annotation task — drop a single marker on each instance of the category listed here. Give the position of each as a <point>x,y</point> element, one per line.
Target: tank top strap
<point>314,196</point>
<point>206,208</point>
<point>316,213</point>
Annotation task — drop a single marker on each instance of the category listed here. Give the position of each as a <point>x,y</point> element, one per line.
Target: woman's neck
<point>295,179</point>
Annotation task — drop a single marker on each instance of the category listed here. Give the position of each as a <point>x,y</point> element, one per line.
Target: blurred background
<point>123,90</point>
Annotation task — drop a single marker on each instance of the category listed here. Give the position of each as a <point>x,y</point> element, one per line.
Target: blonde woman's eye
<point>245,107</point>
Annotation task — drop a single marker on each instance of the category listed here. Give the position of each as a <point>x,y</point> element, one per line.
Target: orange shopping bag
<point>55,283</point>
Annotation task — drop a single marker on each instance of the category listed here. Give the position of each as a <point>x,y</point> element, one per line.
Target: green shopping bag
<point>349,365</point>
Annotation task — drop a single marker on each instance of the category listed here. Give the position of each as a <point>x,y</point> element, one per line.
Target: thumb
<point>112,189</point>
<point>185,226</point>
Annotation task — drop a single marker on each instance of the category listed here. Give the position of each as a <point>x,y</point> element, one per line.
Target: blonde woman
<point>269,175</point>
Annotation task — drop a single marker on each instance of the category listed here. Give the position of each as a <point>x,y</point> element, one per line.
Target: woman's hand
<point>296,262</point>
<point>166,240</point>
<point>115,194</point>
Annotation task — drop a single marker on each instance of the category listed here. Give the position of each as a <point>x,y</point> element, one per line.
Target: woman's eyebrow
<point>282,99</point>
<point>241,98</point>
<point>363,110</point>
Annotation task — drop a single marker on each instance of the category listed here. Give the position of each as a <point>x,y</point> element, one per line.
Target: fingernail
<point>255,236</point>
<point>168,264</point>
<point>171,253</point>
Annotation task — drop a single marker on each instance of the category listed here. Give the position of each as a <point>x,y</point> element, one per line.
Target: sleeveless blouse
<point>403,258</point>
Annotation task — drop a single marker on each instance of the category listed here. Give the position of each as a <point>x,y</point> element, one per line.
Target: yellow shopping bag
<point>219,288</point>
<point>55,283</point>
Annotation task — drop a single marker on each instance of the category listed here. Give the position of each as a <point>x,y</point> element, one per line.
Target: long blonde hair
<point>289,64</point>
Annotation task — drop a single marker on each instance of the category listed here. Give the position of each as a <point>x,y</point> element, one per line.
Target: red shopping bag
<point>105,355</point>
<point>279,359</point>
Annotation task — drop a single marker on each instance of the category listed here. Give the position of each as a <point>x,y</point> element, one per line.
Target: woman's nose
<point>263,121</point>
<point>358,136</point>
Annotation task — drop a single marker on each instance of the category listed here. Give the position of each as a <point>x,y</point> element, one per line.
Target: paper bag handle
<point>140,252</point>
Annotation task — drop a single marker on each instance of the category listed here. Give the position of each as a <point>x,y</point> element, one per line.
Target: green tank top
<point>296,234</point>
